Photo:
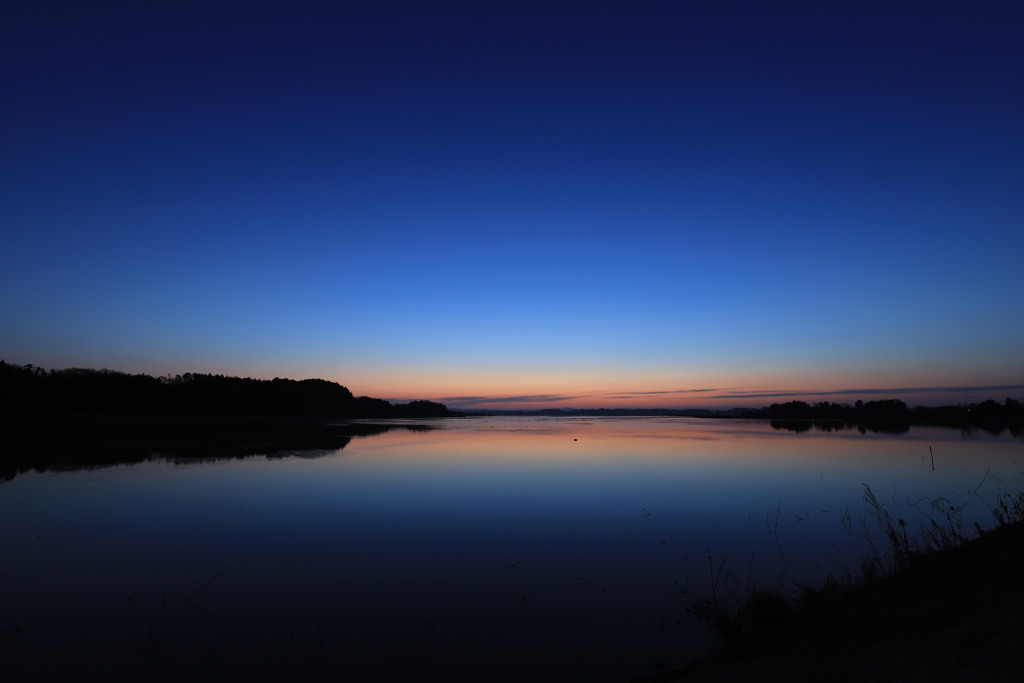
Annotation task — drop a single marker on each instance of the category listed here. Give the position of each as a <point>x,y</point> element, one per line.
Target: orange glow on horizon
<point>471,387</point>
<point>724,398</point>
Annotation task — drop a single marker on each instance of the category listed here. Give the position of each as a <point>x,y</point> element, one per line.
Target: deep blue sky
<point>558,203</point>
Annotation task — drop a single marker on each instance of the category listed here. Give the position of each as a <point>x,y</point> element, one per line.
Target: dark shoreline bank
<point>955,614</point>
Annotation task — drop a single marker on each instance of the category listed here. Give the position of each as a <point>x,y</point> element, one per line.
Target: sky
<point>521,204</point>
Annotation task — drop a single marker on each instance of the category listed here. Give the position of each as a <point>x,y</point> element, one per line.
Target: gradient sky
<point>520,204</point>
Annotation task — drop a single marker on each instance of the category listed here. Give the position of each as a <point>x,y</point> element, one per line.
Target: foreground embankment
<point>950,615</point>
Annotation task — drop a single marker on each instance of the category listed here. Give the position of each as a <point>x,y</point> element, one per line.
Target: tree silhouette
<point>32,390</point>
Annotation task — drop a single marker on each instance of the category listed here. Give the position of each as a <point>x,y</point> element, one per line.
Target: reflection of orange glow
<point>591,440</point>
<point>750,453</point>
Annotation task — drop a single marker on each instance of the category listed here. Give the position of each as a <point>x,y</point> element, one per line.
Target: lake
<point>503,548</point>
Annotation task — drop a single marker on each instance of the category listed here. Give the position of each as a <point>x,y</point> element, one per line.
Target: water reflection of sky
<point>489,540</point>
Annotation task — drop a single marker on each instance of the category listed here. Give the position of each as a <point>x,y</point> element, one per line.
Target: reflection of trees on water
<point>316,441</point>
<point>801,426</point>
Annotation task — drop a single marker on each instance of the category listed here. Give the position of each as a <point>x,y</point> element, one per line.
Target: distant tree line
<point>31,390</point>
<point>888,409</point>
<point>890,416</point>
<point>893,416</point>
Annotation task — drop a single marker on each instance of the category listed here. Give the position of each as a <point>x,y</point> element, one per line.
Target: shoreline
<point>946,614</point>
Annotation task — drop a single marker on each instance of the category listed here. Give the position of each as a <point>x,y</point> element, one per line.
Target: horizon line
<point>481,402</point>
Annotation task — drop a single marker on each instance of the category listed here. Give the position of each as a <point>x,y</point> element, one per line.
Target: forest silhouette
<point>74,418</point>
<point>892,416</point>
<point>31,390</point>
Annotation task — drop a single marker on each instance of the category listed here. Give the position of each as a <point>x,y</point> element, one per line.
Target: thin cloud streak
<point>536,398</point>
<point>875,391</point>
<point>470,401</point>
<point>671,392</point>
<point>635,398</point>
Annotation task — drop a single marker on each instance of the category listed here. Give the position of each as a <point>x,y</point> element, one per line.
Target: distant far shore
<point>889,415</point>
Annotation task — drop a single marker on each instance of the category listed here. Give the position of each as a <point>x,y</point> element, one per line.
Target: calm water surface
<point>485,549</point>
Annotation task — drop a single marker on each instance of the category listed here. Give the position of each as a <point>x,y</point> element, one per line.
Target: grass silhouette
<point>939,606</point>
